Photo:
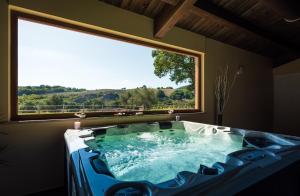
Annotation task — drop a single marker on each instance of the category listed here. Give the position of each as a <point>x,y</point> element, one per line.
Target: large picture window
<point>59,69</point>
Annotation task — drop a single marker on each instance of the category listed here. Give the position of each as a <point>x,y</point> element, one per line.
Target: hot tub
<point>173,158</point>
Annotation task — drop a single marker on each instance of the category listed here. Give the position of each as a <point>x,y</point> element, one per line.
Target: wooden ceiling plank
<point>212,12</point>
<point>150,8</point>
<point>170,2</point>
<point>144,6</point>
<point>203,13</point>
<point>170,17</point>
<point>125,3</point>
<point>286,9</point>
<point>137,6</point>
<point>153,8</point>
<point>250,9</point>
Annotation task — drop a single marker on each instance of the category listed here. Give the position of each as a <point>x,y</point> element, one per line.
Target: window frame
<point>15,15</point>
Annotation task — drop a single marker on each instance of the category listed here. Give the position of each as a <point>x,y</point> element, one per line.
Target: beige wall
<point>287,98</point>
<point>35,152</point>
<point>292,67</point>
<point>3,61</point>
<point>251,101</point>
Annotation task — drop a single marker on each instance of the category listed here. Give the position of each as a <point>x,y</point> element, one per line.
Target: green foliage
<point>161,95</point>
<point>182,93</point>
<point>148,98</point>
<point>55,100</point>
<point>145,97</point>
<point>139,97</point>
<point>110,96</point>
<point>45,89</point>
<point>126,98</point>
<point>180,68</point>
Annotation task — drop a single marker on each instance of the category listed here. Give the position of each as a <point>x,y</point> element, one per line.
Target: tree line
<point>45,89</point>
<point>141,96</point>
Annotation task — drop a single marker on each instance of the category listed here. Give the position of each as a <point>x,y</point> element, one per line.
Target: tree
<point>182,93</point>
<point>28,105</point>
<point>145,96</point>
<point>160,95</point>
<point>177,95</point>
<point>110,96</point>
<point>55,100</point>
<point>126,98</point>
<point>139,96</point>
<point>180,68</point>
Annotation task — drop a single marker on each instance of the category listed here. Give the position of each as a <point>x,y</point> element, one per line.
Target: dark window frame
<point>15,15</point>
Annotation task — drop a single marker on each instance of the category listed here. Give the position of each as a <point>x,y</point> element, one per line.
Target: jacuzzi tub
<point>173,158</point>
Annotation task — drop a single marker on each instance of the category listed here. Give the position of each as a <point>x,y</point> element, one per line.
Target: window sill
<point>105,120</point>
<point>96,114</point>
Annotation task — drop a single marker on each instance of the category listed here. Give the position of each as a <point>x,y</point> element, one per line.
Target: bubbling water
<point>158,156</point>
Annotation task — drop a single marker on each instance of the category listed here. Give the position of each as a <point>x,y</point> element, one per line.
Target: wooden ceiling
<point>255,25</point>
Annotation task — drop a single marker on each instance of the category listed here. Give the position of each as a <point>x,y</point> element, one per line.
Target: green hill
<point>32,97</point>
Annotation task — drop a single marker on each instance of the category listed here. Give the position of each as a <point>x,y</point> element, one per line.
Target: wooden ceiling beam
<point>168,19</point>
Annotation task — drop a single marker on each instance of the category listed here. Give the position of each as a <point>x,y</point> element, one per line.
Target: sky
<point>54,56</point>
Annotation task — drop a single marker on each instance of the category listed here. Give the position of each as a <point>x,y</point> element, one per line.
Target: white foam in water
<point>159,156</point>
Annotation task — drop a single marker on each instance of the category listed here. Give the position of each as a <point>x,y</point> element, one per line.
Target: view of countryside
<point>63,71</point>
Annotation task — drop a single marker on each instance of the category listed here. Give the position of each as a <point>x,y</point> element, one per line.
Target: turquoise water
<point>158,156</point>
